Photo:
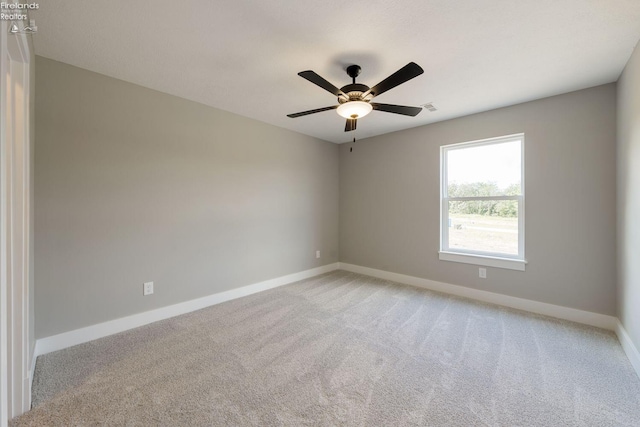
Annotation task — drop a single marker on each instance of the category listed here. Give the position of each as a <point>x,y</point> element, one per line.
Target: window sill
<point>487,261</point>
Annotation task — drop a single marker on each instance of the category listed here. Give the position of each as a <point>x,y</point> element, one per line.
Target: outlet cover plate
<point>147,288</point>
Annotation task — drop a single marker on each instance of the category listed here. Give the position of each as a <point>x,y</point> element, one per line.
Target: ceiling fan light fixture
<point>354,98</point>
<point>354,109</point>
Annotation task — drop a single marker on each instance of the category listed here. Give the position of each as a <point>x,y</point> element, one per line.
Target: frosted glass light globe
<point>358,109</point>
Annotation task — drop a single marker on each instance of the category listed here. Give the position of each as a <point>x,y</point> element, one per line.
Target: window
<point>482,202</point>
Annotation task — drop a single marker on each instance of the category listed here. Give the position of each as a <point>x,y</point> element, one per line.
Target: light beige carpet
<point>342,349</point>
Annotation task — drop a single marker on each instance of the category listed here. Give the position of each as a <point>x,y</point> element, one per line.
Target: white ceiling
<point>243,56</point>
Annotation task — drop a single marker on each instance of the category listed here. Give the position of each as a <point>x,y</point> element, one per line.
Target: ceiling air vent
<point>429,106</point>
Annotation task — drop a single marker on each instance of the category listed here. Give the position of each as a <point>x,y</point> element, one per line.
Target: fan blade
<point>404,74</point>
<point>317,110</point>
<point>398,109</point>
<point>316,79</point>
<point>351,125</point>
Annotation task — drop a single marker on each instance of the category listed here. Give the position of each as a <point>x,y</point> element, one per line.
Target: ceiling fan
<point>354,100</point>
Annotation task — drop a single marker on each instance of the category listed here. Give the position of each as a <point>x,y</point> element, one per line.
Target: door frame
<point>15,222</point>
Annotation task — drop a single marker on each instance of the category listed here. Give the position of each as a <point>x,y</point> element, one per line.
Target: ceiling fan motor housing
<point>354,91</point>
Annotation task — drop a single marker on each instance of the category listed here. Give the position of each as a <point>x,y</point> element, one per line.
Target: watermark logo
<point>17,12</point>
<point>30,29</point>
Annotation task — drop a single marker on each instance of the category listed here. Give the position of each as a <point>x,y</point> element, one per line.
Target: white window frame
<point>499,260</point>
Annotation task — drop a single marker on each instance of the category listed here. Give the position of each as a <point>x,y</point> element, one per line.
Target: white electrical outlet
<point>147,288</point>
<point>317,254</point>
<point>482,273</point>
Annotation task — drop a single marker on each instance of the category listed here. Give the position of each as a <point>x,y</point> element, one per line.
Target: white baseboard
<point>566,313</point>
<point>629,348</point>
<point>89,333</point>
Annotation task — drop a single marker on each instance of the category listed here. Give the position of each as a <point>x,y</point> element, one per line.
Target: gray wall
<point>629,197</point>
<point>389,200</point>
<point>133,185</point>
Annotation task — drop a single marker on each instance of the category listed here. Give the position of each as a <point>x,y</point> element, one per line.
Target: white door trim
<point>4,368</point>
<point>15,214</point>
